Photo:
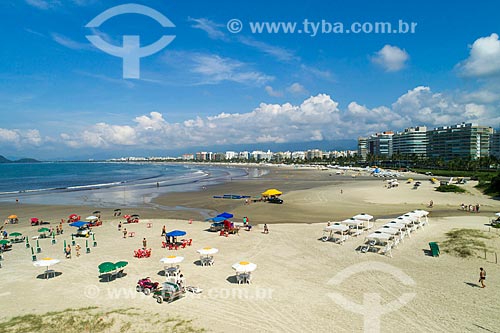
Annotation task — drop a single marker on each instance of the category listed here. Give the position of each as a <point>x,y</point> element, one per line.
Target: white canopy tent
<point>334,230</point>
<point>353,223</point>
<point>366,218</point>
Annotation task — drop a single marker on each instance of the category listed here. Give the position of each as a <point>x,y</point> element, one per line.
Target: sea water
<point>105,184</point>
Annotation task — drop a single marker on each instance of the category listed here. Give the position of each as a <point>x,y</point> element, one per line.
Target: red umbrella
<point>34,220</point>
<point>126,216</point>
<point>73,216</point>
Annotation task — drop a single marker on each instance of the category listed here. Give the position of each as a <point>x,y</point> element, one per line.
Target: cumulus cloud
<point>484,58</point>
<point>274,93</point>
<point>17,137</point>
<point>318,117</point>
<point>390,58</point>
<point>297,89</point>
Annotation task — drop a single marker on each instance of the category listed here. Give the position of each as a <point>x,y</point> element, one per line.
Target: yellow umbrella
<point>12,217</point>
<point>271,192</point>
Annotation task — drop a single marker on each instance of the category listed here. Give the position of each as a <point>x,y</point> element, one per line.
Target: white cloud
<point>297,89</point>
<point>17,137</point>
<point>274,93</point>
<point>69,43</point>
<point>390,58</point>
<point>318,117</point>
<point>215,69</point>
<point>484,58</point>
<point>279,53</point>
<point>213,29</point>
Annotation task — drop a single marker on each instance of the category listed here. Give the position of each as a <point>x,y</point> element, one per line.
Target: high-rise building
<point>362,147</point>
<point>411,142</point>
<point>495,144</point>
<point>380,144</point>
<point>459,141</point>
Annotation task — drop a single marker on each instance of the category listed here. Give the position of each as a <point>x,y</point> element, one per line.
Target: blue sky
<point>63,97</point>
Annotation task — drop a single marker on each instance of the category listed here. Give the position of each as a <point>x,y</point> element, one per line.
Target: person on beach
<point>482,277</point>
<point>477,208</point>
<point>164,231</point>
<point>67,251</point>
<point>124,232</point>
<point>119,226</point>
<point>431,204</point>
<point>144,243</point>
<point>78,248</point>
<point>266,229</point>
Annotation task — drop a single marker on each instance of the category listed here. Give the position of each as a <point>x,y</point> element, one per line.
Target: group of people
<point>470,208</point>
<point>67,251</point>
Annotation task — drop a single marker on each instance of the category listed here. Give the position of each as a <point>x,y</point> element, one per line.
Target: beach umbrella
<point>72,216</point>
<point>16,234</point>
<point>46,262</point>
<point>78,224</point>
<point>126,216</point>
<point>43,229</point>
<point>12,216</point>
<point>225,215</point>
<point>34,220</point>
<point>4,241</point>
<point>121,264</point>
<point>176,233</point>
<point>497,214</point>
<point>106,267</point>
<point>271,192</point>
<point>91,218</point>
<point>117,210</point>
<point>206,251</point>
<point>134,215</point>
<point>96,212</point>
<point>217,219</point>
<point>172,260</point>
<point>244,267</point>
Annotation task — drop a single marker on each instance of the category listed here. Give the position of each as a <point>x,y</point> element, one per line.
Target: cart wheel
<point>138,288</point>
<point>147,291</point>
<point>159,299</point>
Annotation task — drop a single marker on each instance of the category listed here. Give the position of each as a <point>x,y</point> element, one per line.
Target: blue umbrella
<point>78,224</point>
<point>217,219</point>
<point>225,215</point>
<point>176,233</point>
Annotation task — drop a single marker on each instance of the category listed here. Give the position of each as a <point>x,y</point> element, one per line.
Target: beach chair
<point>434,249</point>
<point>386,250</point>
<point>170,246</point>
<point>190,242</point>
<point>183,245</point>
<point>163,244</point>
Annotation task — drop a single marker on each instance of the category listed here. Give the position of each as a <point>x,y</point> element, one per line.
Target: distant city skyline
<point>222,82</point>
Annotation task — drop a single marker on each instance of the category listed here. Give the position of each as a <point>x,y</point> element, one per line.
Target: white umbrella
<point>172,260</point>
<point>46,262</point>
<point>497,214</point>
<point>388,230</point>
<point>207,251</point>
<point>244,267</point>
<point>91,218</point>
<point>379,236</point>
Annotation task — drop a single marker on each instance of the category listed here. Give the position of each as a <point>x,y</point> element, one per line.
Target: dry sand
<point>300,281</point>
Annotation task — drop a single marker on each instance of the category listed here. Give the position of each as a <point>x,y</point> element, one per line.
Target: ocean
<point>106,184</point>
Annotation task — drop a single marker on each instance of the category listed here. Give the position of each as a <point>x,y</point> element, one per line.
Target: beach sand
<point>300,284</point>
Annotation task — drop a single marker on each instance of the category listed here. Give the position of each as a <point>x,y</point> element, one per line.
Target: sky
<point>220,81</point>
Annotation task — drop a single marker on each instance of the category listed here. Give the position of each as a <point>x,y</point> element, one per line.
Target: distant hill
<point>22,160</point>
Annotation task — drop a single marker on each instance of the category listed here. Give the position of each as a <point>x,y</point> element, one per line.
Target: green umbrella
<point>106,267</point>
<point>4,241</point>
<point>121,264</point>
<point>43,230</point>
<point>16,234</point>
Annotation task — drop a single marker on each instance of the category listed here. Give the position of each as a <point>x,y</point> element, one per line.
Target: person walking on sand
<point>266,229</point>
<point>124,232</point>
<point>144,243</point>
<point>431,204</point>
<point>164,230</point>
<point>482,277</point>
<point>119,226</point>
